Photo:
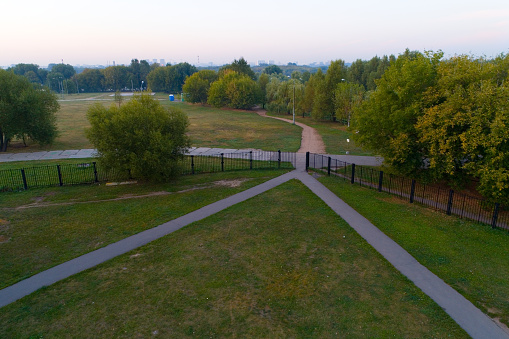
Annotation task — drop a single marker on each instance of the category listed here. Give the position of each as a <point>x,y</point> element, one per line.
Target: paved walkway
<point>471,319</point>
<point>91,153</point>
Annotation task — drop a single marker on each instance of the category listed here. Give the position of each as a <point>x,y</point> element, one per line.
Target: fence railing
<point>441,199</point>
<point>88,173</point>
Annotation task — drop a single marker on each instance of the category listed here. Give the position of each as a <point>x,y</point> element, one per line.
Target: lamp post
<point>142,85</point>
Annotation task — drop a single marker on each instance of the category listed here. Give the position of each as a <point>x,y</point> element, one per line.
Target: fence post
<point>328,166</point>
<point>250,159</point>
<point>24,178</point>
<point>412,191</point>
<point>192,164</point>
<point>380,181</point>
<point>95,172</point>
<point>279,158</point>
<point>307,161</point>
<point>495,215</point>
<point>222,162</point>
<point>449,203</point>
<point>353,173</point>
<point>59,176</point>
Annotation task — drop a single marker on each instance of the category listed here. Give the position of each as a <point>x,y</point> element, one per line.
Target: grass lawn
<point>209,127</point>
<point>65,222</point>
<point>470,257</point>
<point>334,135</point>
<point>224,128</point>
<point>305,273</point>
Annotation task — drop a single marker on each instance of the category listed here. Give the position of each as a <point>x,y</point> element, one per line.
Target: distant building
<point>271,62</point>
<point>262,63</point>
<point>162,62</point>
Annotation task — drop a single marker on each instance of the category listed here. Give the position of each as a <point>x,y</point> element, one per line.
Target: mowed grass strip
<point>209,127</point>
<point>41,228</point>
<point>279,265</point>
<point>470,257</point>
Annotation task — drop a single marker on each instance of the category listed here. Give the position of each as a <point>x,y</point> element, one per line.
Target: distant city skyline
<point>98,32</point>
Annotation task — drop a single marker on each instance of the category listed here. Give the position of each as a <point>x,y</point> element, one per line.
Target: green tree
<point>311,89</point>
<point>66,70</point>
<point>90,80</point>
<point>234,90</point>
<point>347,97</point>
<point>273,69</point>
<point>115,78</point>
<point>27,111</point>
<point>240,66</point>
<point>197,85</point>
<point>139,137</point>
<point>466,125</point>
<point>386,121</point>
<point>170,79</point>
<point>263,80</point>
<point>323,106</point>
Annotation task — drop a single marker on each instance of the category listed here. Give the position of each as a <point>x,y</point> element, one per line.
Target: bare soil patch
<point>39,201</point>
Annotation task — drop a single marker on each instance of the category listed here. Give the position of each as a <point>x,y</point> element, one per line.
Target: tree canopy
<point>27,111</point>
<point>442,120</point>
<point>139,137</point>
<point>234,90</point>
<point>240,66</point>
<point>197,85</point>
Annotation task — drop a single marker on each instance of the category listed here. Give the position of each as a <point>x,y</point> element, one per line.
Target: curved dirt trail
<point>311,141</point>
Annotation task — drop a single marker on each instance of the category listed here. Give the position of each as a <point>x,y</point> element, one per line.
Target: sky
<point>102,32</point>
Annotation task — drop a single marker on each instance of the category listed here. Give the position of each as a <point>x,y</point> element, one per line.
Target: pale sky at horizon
<point>100,32</point>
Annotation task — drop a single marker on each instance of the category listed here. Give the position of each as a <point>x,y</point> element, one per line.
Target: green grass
<point>470,257</point>
<point>34,239</point>
<point>209,127</point>
<point>212,127</point>
<point>304,274</point>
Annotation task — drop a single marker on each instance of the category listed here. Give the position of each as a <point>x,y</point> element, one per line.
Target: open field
<point>470,257</point>
<point>334,135</point>
<point>41,228</point>
<point>305,273</point>
<point>209,127</point>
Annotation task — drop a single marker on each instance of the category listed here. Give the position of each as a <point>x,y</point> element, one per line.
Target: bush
<point>139,137</point>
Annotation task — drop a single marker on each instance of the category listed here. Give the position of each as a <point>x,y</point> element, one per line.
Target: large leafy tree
<point>27,111</point>
<point>311,89</point>
<point>347,97</point>
<point>466,126</point>
<point>272,69</point>
<point>116,78</point>
<point>90,80</point>
<point>234,90</point>
<point>263,81</point>
<point>240,66</point>
<point>65,69</point>
<point>170,79</point>
<point>196,86</point>
<point>323,105</point>
<point>386,123</point>
<point>140,137</point>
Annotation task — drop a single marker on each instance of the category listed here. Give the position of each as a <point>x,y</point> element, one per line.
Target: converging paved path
<point>471,319</point>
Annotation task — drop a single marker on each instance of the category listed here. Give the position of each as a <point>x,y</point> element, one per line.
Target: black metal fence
<point>441,199</point>
<point>88,173</point>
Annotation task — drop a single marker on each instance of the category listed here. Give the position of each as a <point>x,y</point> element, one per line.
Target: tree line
<point>138,75</point>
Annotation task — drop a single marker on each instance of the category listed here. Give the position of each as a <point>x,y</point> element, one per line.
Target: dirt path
<point>311,141</point>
